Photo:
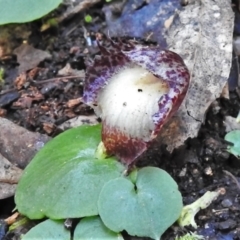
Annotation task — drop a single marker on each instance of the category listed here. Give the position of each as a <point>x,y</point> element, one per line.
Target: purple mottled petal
<point>97,75</point>
<point>170,67</point>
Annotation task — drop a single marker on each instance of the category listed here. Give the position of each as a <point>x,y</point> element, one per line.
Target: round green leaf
<point>234,137</point>
<point>12,11</point>
<point>93,228</point>
<point>64,179</point>
<point>146,209</point>
<point>49,229</point>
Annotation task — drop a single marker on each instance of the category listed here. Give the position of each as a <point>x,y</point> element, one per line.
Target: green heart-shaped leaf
<point>64,179</point>
<point>234,137</point>
<point>93,228</point>
<point>49,229</point>
<point>146,209</point>
<point>12,11</point>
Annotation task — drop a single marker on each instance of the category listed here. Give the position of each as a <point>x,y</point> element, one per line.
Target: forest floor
<point>40,101</point>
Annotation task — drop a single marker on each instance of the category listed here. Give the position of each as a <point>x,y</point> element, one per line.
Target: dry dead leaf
<point>45,107</point>
<point>74,102</point>
<point>74,50</point>
<point>33,72</point>
<point>49,127</point>
<point>69,113</point>
<point>78,121</point>
<point>69,71</point>
<point>202,35</point>
<point>20,80</point>
<point>25,101</point>
<point>29,57</point>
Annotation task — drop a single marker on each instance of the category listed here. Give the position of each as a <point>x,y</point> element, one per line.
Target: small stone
<point>68,223</point>
<point>208,171</point>
<point>222,191</point>
<point>195,171</point>
<point>227,225</point>
<point>226,203</point>
<point>183,172</point>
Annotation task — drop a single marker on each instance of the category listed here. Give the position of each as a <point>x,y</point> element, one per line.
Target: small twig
<point>56,79</point>
<point>41,82</point>
<point>82,5</point>
<point>233,178</point>
<point>7,91</point>
<point>7,180</point>
<point>12,219</point>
